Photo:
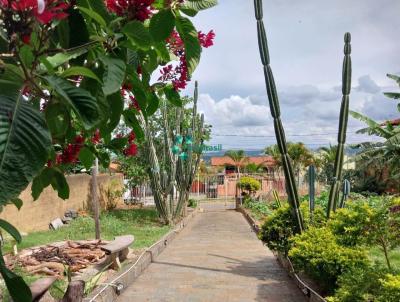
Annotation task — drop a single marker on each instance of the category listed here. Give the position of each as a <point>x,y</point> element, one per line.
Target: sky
<point>306,49</point>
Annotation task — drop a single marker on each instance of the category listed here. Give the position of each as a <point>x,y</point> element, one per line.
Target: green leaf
<point>162,24</point>
<point>26,56</point>
<point>86,157</point>
<point>16,286</point>
<point>173,96</point>
<point>132,121</point>
<point>11,80</point>
<point>64,57</point>
<point>58,119</point>
<point>394,77</point>
<point>10,229</point>
<point>25,142</point>
<point>190,39</point>
<point>118,143</point>
<point>93,15</point>
<point>392,95</point>
<point>17,202</point>
<point>138,90</point>
<point>114,74</point>
<point>50,176</point>
<point>96,6</point>
<point>139,34</point>
<point>198,5</point>
<point>59,183</point>
<point>80,100</point>
<point>80,71</point>
<point>116,105</point>
<point>153,104</point>
<point>189,11</point>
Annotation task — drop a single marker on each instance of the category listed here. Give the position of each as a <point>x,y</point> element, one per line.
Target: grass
<point>377,255</point>
<point>142,223</point>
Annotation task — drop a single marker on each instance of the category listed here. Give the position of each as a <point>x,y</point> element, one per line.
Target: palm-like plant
<point>238,157</point>
<point>327,156</point>
<point>300,155</point>
<point>387,152</point>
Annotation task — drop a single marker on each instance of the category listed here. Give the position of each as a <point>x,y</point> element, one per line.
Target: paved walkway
<point>216,258</point>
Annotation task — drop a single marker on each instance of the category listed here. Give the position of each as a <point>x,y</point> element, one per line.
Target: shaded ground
<point>217,258</point>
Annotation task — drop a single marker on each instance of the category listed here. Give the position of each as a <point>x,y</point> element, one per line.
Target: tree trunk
<point>74,292</point>
<point>95,199</point>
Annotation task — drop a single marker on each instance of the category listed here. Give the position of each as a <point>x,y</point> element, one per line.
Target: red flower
<point>96,137</point>
<point>131,137</point>
<point>132,150</point>
<point>206,40</point>
<point>45,11</point>
<point>133,9</point>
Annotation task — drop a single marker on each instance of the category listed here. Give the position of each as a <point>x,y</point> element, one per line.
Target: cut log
<point>74,292</point>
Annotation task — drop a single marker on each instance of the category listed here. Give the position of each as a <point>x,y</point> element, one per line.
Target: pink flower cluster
<point>179,75</point>
<point>140,10</point>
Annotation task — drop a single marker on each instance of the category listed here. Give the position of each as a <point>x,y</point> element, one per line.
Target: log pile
<point>53,259</point>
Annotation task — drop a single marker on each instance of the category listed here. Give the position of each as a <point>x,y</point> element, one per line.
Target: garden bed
<point>142,223</point>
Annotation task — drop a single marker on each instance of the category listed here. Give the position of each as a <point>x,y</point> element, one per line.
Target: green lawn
<point>377,255</point>
<point>142,223</point>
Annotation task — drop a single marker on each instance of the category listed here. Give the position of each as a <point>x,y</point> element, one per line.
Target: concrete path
<point>216,258</point>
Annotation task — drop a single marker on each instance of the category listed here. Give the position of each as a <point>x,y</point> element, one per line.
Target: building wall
<point>36,215</point>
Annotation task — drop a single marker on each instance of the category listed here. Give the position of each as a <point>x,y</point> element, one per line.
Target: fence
<point>222,186</point>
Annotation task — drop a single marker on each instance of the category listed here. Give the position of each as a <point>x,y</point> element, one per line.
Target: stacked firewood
<point>54,260</point>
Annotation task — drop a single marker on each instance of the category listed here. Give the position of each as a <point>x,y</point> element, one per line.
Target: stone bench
<point>118,250</point>
<point>40,287</point>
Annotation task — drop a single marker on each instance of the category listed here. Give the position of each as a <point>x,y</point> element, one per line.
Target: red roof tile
<point>267,161</point>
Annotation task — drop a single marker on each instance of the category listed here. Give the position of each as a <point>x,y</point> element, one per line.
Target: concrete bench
<point>118,250</point>
<point>40,287</point>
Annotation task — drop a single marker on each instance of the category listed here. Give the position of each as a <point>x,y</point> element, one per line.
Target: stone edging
<point>124,278</point>
<point>312,295</point>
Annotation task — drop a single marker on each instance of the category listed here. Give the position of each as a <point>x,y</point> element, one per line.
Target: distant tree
<point>300,155</point>
<point>328,155</point>
<point>238,157</point>
<point>254,168</point>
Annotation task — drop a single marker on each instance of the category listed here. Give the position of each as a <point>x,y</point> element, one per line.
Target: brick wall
<point>36,215</point>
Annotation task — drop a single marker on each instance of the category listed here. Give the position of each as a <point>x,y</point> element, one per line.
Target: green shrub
<point>192,203</point>
<point>358,285</point>
<point>317,253</point>
<point>366,285</point>
<point>350,225</point>
<point>390,291</point>
<point>279,227</point>
<point>249,184</point>
<point>259,209</point>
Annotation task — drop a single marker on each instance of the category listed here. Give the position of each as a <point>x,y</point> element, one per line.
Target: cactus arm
<point>291,187</point>
<point>344,116</point>
<point>311,187</point>
<point>345,193</point>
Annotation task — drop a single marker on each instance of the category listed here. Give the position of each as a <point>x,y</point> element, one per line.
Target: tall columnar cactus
<point>162,177</point>
<point>291,186</point>
<point>345,193</point>
<point>311,188</point>
<point>187,166</point>
<point>344,115</point>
